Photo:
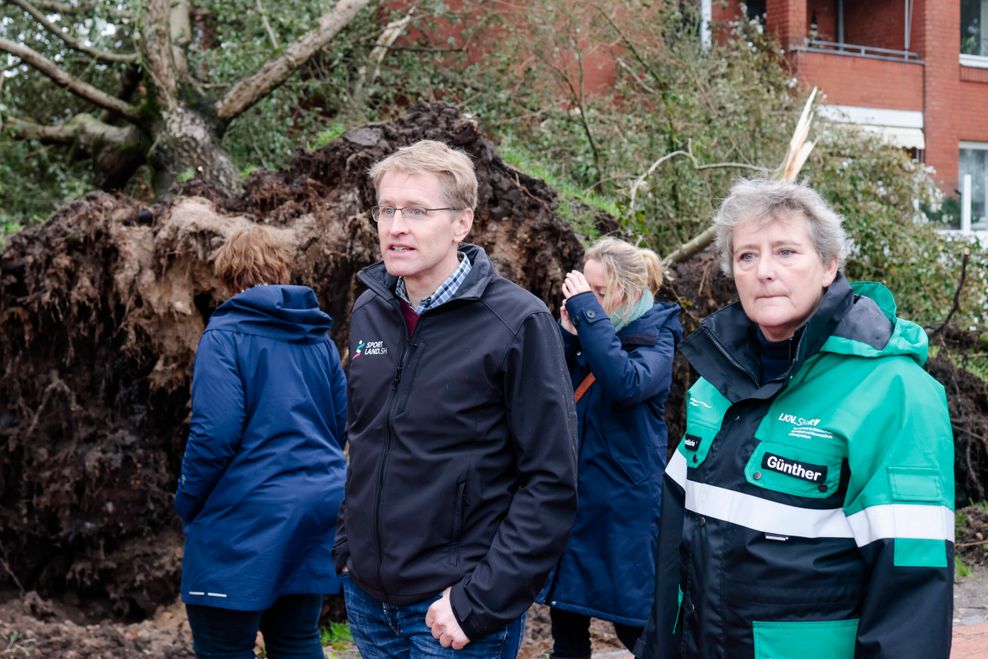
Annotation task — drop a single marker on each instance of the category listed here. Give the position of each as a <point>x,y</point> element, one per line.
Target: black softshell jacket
<point>462,448</point>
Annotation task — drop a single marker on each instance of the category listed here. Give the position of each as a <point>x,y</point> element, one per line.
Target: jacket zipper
<point>392,399</point>
<point>384,459</point>
<point>727,356</point>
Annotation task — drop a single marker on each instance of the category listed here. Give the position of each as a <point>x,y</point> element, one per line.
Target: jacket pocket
<point>795,470</point>
<point>821,639</point>
<point>459,511</point>
<point>697,440</point>
<point>623,450</point>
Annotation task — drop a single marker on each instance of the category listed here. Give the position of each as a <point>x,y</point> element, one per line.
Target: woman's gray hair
<point>764,201</point>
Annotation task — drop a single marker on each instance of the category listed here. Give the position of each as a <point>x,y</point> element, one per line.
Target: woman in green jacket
<point>808,510</point>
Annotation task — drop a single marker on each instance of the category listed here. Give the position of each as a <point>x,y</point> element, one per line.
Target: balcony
<point>854,50</point>
<point>862,76</point>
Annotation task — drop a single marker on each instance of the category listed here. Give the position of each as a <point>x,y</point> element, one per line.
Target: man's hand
<point>440,619</point>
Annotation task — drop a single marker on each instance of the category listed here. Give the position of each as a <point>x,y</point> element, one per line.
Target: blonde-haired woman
<point>619,345</point>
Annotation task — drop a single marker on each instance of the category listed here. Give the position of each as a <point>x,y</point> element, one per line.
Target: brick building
<point>915,71</point>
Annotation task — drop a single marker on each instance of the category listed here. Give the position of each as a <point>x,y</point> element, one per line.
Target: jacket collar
<point>645,331</point>
<point>376,277</point>
<point>724,350</point>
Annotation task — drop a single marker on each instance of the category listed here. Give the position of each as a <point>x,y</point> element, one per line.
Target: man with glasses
<point>462,481</point>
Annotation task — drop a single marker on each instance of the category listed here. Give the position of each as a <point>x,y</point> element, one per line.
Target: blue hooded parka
<point>263,472</point>
<point>607,569</point>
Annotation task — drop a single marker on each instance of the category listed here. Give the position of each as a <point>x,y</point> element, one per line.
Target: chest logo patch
<point>802,470</point>
<point>691,442</point>
<point>369,348</point>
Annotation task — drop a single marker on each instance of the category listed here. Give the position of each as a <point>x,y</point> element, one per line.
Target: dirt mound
<point>31,626</point>
<point>101,309</point>
<point>967,396</point>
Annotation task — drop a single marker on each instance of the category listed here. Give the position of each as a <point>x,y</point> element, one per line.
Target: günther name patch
<point>804,470</point>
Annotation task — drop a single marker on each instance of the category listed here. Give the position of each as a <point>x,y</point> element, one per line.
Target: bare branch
<point>71,41</point>
<point>634,75</point>
<point>640,181</point>
<point>631,47</point>
<point>267,25</point>
<point>272,73</point>
<point>689,248</point>
<point>158,52</point>
<point>956,306</point>
<point>385,42</point>
<point>82,128</point>
<point>79,8</point>
<point>688,153</point>
<point>180,34</point>
<point>6,568</point>
<point>81,89</point>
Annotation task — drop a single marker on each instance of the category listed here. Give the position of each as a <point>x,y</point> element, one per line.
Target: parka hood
<point>870,328</point>
<point>281,312</point>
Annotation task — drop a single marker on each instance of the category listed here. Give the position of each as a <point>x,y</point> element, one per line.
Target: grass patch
<point>336,635</point>
<point>324,137</point>
<point>981,505</point>
<point>8,228</point>
<point>961,568</point>
<point>573,200</point>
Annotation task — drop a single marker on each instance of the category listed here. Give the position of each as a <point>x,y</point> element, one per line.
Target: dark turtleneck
<point>776,356</point>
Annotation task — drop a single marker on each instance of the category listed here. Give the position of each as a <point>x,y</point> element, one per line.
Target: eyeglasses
<point>410,213</point>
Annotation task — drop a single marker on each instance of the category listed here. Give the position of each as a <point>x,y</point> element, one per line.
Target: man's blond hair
<point>453,167</point>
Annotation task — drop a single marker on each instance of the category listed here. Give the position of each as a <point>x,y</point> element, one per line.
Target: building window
<point>755,9</point>
<point>974,27</point>
<point>974,162</point>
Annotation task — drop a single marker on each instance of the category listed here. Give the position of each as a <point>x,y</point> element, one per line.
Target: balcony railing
<point>855,50</point>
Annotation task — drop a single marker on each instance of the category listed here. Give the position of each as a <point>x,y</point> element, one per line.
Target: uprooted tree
<point>101,309</point>
<point>164,109</point>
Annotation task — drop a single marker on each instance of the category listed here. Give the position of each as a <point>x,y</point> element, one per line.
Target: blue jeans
<point>290,628</point>
<point>388,631</point>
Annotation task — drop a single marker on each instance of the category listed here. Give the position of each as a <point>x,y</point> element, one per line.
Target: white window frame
<point>974,61</point>
<point>974,146</point>
<point>979,61</point>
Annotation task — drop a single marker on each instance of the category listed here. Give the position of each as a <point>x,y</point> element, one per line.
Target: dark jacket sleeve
<point>341,549</point>
<point>627,378</point>
<point>338,383</point>
<point>542,421</point>
<point>571,345</point>
<point>216,424</point>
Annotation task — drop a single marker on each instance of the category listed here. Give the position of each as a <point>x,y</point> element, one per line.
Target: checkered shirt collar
<point>445,291</point>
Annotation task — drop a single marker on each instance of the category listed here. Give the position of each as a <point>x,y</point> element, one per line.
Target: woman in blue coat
<point>619,346</point>
<point>263,472</point>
